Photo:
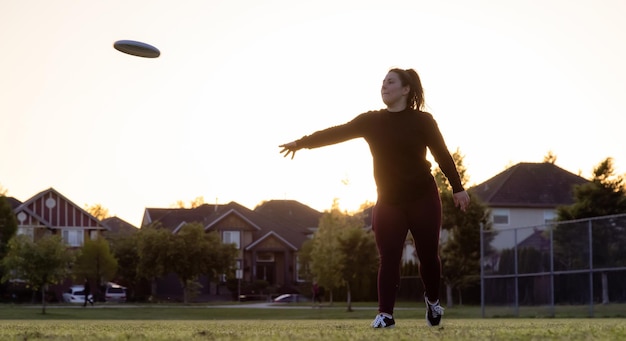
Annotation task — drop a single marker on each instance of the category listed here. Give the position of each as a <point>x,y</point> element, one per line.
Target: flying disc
<point>137,48</point>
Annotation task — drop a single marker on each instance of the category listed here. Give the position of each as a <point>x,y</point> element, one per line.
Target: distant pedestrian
<point>87,292</point>
<point>316,293</point>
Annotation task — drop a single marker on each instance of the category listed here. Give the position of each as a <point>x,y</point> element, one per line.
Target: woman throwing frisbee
<point>408,198</point>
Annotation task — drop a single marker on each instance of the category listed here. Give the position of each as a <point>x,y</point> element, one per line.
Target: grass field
<point>238,323</point>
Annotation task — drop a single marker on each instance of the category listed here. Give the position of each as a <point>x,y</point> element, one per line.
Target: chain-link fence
<point>578,263</point>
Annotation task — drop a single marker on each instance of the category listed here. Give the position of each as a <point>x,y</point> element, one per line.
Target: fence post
<point>552,308</point>
<point>482,273</point>
<point>515,266</point>
<point>589,224</point>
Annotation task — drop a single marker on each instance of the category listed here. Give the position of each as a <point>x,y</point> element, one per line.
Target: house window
<point>27,231</point>
<point>549,217</point>
<point>73,237</point>
<point>500,217</point>
<point>265,257</point>
<point>93,234</point>
<point>232,237</point>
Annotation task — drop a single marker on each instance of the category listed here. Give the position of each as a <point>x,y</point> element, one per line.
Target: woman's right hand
<point>289,148</point>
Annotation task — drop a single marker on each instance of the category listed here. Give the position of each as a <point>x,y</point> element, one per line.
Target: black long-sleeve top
<point>398,142</point>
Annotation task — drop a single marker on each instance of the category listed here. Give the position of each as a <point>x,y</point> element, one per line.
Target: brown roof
<point>118,225</point>
<point>14,203</point>
<point>289,220</point>
<point>529,185</point>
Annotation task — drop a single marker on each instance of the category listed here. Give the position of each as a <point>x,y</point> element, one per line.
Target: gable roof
<point>529,185</point>
<point>290,211</point>
<point>288,220</point>
<point>14,203</point>
<point>294,221</point>
<point>118,225</point>
<point>51,209</point>
<point>267,236</point>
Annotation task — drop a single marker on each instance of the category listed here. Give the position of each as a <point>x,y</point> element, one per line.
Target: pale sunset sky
<point>507,81</point>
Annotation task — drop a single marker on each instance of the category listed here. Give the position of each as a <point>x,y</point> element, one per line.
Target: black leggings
<point>391,223</point>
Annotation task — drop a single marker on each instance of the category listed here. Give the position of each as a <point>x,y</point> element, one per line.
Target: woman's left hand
<point>461,200</point>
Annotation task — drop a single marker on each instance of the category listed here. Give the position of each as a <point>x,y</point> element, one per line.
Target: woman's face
<point>392,91</point>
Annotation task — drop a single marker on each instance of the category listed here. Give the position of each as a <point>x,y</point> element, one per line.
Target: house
<point>267,238</point>
<point>51,213</point>
<point>525,195</point>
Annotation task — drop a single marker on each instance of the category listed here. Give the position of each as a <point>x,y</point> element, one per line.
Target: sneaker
<point>433,313</point>
<point>383,321</point>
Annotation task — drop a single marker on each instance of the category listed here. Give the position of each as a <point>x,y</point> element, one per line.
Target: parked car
<point>115,293</point>
<point>75,294</point>
<point>290,298</point>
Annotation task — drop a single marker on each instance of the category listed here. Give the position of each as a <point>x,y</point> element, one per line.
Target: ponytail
<point>409,77</point>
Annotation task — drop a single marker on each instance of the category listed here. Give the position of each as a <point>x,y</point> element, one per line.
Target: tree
<point>341,253</point>
<point>124,249</point>
<point>95,261</point>
<point>326,257</point>
<point>8,224</point>
<point>460,253</point>
<point>550,157</point>
<point>360,257</point>
<point>152,246</point>
<point>192,253</point>
<point>98,211</point>
<point>604,195</point>
<point>197,202</point>
<point>39,263</point>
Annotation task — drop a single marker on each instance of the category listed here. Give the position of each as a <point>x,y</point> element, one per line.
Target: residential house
<point>525,195</point>
<point>267,238</point>
<point>51,213</point>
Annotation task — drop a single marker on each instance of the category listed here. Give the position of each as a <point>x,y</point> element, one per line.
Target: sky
<point>507,82</point>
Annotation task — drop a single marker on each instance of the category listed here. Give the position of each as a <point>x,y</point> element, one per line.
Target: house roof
<point>530,185</point>
<point>51,209</point>
<point>14,203</point>
<point>287,220</point>
<point>118,225</point>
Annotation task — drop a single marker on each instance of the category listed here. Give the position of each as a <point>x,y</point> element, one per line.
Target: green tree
<point>604,195</point>
<point>460,252</point>
<point>39,263</point>
<point>124,249</point>
<point>8,224</point>
<point>326,257</point>
<point>193,253</point>
<point>360,257</point>
<point>95,261</point>
<point>305,255</point>
<point>152,249</point>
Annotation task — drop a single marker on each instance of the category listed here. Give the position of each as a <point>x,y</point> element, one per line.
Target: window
<point>28,231</point>
<point>265,257</point>
<point>232,237</point>
<point>93,234</point>
<point>73,237</point>
<point>500,217</point>
<point>549,217</point>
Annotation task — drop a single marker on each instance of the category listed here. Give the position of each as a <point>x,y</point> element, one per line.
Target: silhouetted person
<point>87,292</point>
<point>399,137</point>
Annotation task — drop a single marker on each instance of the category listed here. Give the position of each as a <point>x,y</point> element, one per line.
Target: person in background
<point>87,291</point>
<point>408,197</point>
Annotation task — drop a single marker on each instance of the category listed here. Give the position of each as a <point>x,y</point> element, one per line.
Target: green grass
<point>202,322</point>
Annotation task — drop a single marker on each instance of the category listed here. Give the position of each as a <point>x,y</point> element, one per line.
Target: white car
<point>290,298</point>
<point>115,293</point>
<point>75,294</point>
